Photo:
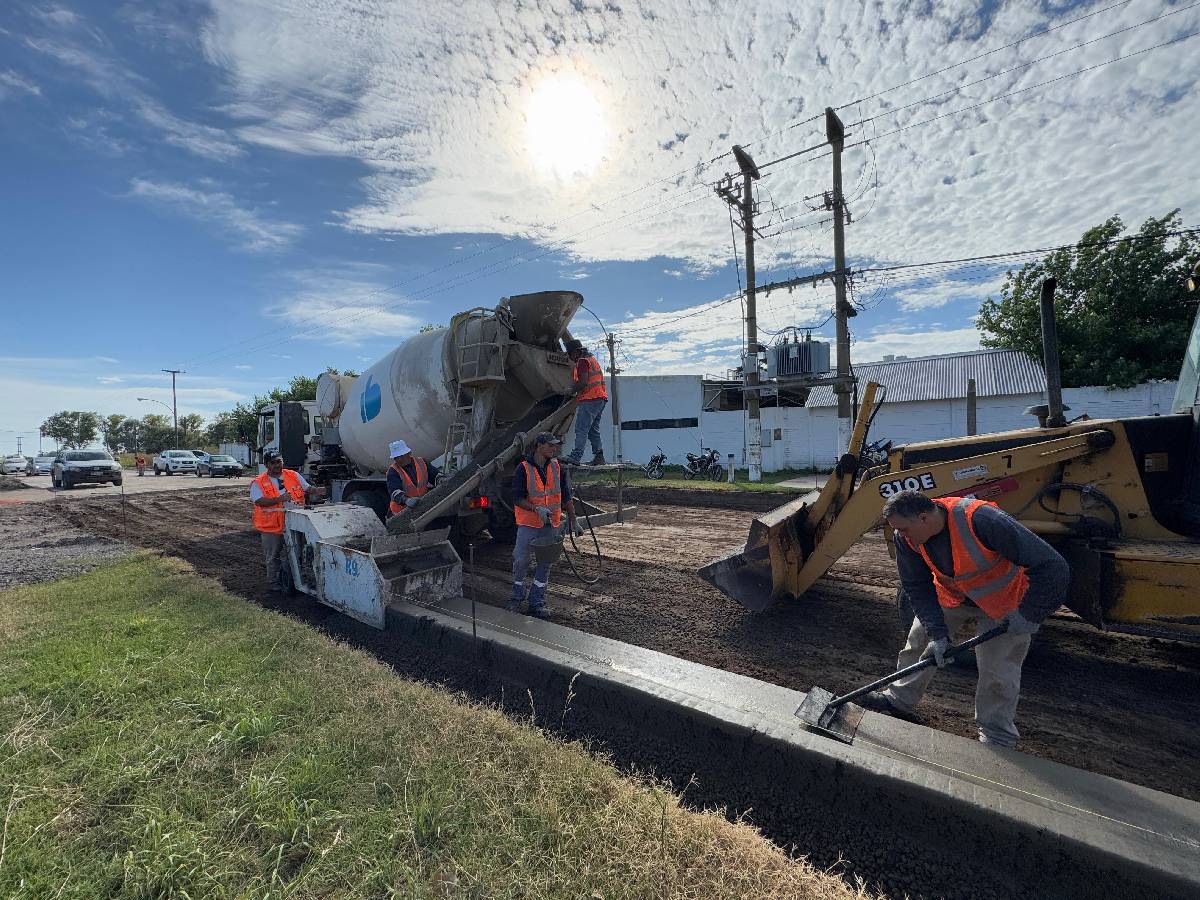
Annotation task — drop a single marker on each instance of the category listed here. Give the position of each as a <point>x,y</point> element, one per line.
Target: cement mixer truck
<point>470,396</point>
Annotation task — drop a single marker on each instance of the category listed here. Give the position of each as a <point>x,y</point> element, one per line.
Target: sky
<point>254,189</point>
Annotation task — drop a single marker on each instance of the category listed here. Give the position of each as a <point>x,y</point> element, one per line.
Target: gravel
<point>37,547</point>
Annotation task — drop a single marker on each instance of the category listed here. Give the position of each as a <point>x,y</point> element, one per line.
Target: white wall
<point>809,436</point>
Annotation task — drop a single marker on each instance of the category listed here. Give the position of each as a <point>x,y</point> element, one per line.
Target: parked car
<point>40,464</point>
<point>72,467</point>
<point>172,461</point>
<point>200,455</point>
<point>218,465</point>
<point>13,465</point>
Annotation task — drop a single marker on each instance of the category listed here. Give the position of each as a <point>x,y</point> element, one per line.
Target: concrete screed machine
<point>472,397</point>
<point>1118,498</point>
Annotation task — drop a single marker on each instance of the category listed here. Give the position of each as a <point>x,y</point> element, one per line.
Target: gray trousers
<point>522,555</point>
<point>272,545</point>
<point>999,685</point>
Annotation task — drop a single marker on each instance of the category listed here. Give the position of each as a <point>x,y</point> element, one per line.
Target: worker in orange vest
<point>541,491</point>
<point>140,462</point>
<point>271,493</point>
<point>593,397</point>
<point>964,561</point>
<point>409,477</point>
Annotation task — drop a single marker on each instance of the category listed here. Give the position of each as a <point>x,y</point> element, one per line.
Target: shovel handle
<point>917,666</point>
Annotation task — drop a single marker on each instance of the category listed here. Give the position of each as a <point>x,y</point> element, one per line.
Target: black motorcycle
<point>654,468</point>
<point>704,466</point>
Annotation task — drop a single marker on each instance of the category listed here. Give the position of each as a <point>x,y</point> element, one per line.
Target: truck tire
<point>502,527</point>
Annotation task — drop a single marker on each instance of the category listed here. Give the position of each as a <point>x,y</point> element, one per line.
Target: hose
<point>1083,523</point>
<point>599,556</point>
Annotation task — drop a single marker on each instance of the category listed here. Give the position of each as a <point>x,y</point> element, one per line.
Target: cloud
<point>110,379</point>
<point>217,208</point>
<point>126,89</point>
<point>574,276</point>
<point>13,84</point>
<point>914,343</point>
<point>437,110</point>
<point>348,304</point>
<point>930,293</point>
<point>243,367</point>
<point>674,273</point>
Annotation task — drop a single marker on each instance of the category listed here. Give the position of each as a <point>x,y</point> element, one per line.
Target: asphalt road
<point>39,490</point>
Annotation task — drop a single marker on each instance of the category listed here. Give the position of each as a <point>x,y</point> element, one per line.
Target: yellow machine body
<point>1106,493</point>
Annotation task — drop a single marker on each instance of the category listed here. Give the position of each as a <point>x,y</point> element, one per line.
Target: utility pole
<point>745,208</point>
<point>835,133</point>
<point>174,404</point>
<point>611,341</point>
<point>18,445</point>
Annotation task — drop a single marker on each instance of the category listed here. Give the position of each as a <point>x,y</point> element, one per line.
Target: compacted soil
<point>1114,704</point>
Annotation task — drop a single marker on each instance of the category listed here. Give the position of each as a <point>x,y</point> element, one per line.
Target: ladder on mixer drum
<point>480,367</point>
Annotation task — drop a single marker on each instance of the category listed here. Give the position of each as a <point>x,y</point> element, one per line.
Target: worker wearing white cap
<point>408,478</point>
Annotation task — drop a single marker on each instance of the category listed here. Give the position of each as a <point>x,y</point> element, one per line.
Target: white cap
<point>398,448</point>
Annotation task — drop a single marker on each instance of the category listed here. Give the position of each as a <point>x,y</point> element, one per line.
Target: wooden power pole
<point>174,403</point>
<point>835,133</point>
<point>750,382</point>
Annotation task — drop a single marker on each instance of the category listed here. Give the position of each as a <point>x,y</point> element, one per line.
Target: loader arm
<point>792,546</point>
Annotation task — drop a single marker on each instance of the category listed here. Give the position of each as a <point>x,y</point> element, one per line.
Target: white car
<point>72,467</point>
<point>14,465</point>
<point>172,461</point>
<point>40,465</point>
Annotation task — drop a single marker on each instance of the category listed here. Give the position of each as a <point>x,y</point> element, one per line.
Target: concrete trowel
<point>838,718</point>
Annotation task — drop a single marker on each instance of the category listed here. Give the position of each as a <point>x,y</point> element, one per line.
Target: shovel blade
<point>838,722</point>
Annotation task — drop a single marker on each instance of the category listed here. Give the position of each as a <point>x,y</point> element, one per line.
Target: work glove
<point>937,649</point>
<point>576,528</point>
<point>1018,624</point>
<point>544,515</point>
<point>410,502</point>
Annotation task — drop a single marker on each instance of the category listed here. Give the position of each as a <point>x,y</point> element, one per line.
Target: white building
<point>925,400</point>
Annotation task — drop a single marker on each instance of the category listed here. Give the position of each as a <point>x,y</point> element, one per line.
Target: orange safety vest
<point>594,382</point>
<point>269,519</point>
<point>995,584</point>
<point>418,488</point>
<point>546,493</point>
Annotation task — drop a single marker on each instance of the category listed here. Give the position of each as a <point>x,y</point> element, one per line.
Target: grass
<point>160,738</point>
<point>673,478</point>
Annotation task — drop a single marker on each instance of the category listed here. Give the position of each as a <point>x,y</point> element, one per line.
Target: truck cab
<point>293,430</point>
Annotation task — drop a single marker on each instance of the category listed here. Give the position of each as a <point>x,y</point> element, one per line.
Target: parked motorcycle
<point>654,468</point>
<point>704,466</point>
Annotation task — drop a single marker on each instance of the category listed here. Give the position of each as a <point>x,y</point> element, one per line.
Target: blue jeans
<point>587,427</point>
<point>522,553</point>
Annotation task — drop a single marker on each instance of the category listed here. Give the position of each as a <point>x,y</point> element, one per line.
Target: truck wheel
<point>117,482</point>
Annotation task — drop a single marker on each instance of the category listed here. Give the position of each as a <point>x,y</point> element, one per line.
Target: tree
<point>155,433</point>
<point>71,428</point>
<point>190,428</point>
<point>1123,310</point>
<point>114,431</point>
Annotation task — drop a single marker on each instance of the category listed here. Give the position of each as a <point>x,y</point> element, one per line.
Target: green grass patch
<point>673,478</point>
<point>160,738</point>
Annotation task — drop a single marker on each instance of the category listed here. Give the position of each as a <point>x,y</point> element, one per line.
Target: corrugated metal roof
<point>996,372</point>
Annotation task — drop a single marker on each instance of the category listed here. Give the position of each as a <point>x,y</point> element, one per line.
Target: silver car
<point>72,467</point>
<point>40,465</point>
<point>13,465</point>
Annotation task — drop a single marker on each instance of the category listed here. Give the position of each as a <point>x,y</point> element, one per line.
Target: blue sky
<point>252,191</point>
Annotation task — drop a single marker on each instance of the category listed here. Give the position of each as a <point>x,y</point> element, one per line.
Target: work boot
<point>877,702</point>
<point>598,460</point>
<point>514,604</point>
<point>571,460</point>
<point>539,611</point>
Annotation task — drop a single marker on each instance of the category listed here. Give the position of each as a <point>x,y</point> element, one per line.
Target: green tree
<point>1122,306</point>
<point>191,429</point>
<point>114,431</point>
<point>155,433</point>
<point>72,428</point>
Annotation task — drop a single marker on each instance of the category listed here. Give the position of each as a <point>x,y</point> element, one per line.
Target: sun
<point>565,129</point>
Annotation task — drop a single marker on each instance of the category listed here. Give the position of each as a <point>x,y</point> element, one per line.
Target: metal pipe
<point>1054,402</point>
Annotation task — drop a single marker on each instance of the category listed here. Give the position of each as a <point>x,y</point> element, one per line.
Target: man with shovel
<point>962,560</point>
<point>541,491</point>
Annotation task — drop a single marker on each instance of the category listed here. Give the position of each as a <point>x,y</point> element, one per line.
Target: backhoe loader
<point>1118,498</point>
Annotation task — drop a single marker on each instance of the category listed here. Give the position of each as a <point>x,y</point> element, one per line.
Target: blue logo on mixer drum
<point>371,401</point>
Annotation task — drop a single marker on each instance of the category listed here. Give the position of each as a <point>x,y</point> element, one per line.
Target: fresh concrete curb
<point>907,808</point>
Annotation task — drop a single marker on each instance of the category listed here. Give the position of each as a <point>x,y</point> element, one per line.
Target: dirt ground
<point>1114,704</point>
